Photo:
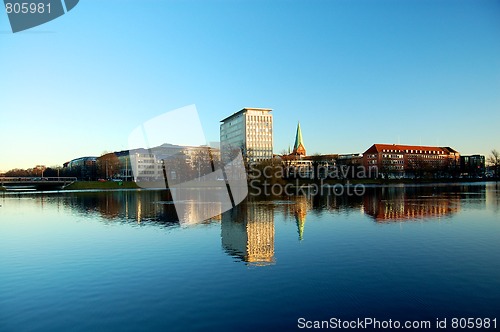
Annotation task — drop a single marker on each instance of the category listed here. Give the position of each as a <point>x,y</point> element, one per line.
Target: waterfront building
<point>125,172</point>
<point>83,168</point>
<point>146,166</point>
<point>472,166</point>
<point>251,130</point>
<point>352,159</point>
<point>183,163</point>
<point>396,160</point>
<point>296,163</point>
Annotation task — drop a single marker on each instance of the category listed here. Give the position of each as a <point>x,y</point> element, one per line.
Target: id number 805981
<point>27,8</point>
<point>474,323</point>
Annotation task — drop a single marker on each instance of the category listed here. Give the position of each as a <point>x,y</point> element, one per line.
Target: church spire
<point>298,147</point>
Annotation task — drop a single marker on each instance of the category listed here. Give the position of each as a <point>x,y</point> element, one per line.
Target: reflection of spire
<point>300,217</point>
<point>300,213</point>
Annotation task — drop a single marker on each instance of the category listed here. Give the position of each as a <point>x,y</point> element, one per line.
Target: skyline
<point>353,73</point>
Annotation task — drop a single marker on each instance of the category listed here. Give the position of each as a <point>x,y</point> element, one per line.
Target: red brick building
<point>411,160</point>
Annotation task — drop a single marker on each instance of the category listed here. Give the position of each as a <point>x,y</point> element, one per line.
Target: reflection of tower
<point>247,232</point>
<point>300,212</point>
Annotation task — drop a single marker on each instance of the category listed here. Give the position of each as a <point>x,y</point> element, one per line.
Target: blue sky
<point>353,73</point>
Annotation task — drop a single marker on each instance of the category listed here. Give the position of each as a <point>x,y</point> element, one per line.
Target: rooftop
<point>243,110</point>
<point>403,148</point>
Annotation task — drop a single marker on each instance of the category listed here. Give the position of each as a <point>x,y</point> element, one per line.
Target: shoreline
<point>109,185</point>
<point>95,185</point>
<point>388,181</point>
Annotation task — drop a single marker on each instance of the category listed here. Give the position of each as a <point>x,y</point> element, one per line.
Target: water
<point>119,260</point>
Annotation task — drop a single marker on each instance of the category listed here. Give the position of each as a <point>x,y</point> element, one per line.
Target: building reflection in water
<point>493,197</point>
<point>400,203</point>
<point>299,206</point>
<point>193,205</point>
<point>248,230</point>
<point>140,206</point>
<point>247,233</point>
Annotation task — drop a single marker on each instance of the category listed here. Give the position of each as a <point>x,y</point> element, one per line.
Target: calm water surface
<point>120,261</point>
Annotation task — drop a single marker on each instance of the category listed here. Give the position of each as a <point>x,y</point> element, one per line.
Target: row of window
<point>234,121</point>
<point>259,118</point>
<point>147,172</point>
<point>146,166</point>
<point>395,167</point>
<point>267,141</point>
<point>232,133</point>
<point>393,162</point>
<point>414,151</point>
<point>426,157</point>
<point>260,147</point>
<point>258,129</point>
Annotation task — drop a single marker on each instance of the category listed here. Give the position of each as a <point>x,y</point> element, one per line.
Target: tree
<point>284,152</point>
<point>39,170</point>
<point>50,172</point>
<point>266,173</point>
<point>108,165</point>
<point>177,169</point>
<point>494,160</point>
<point>202,162</point>
<point>17,172</point>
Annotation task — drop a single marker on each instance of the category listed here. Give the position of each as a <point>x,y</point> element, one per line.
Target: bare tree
<point>178,169</point>
<point>108,165</point>
<point>204,161</point>
<point>494,160</point>
<point>17,172</point>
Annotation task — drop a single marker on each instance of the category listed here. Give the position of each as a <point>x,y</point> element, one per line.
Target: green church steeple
<point>298,147</point>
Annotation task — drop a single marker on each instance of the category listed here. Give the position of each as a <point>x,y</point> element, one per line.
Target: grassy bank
<point>88,185</point>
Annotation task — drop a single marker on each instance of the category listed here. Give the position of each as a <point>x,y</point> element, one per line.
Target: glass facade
<point>251,130</point>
